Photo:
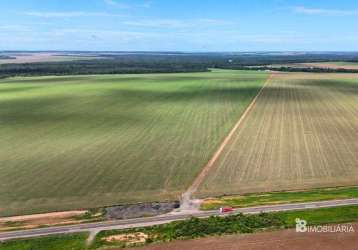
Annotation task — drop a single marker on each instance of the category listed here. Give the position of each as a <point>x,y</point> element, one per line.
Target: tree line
<point>292,69</point>
<point>173,63</point>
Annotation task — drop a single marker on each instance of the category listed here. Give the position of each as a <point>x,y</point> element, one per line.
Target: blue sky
<point>183,25</point>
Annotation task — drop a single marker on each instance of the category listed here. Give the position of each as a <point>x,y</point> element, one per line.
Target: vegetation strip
<point>58,242</point>
<point>258,199</point>
<point>301,68</point>
<point>191,228</point>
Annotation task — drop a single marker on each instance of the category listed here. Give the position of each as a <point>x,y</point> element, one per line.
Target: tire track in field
<point>186,196</point>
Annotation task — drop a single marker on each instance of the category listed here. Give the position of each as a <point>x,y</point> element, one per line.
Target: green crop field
<point>57,242</point>
<point>302,133</point>
<point>74,142</point>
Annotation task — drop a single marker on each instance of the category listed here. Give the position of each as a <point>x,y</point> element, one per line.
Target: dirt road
<point>186,197</point>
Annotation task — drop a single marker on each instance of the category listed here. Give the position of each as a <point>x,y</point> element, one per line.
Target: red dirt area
<point>36,220</point>
<point>286,239</point>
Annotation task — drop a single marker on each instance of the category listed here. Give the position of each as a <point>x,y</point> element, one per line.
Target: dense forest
<point>6,57</point>
<point>104,66</point>
<point>165,62</point>
<point>292,69</point>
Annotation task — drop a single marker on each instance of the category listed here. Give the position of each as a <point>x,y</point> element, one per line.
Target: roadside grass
<point>197,228</point>
<point>321,215</point>
<point>92,215</point>
<point>192,228</point>
<point>271,198</point>
<point>78,142</point>
<point>59,242</point>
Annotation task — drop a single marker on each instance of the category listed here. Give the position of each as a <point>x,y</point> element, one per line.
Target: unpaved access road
<point>186,197</point>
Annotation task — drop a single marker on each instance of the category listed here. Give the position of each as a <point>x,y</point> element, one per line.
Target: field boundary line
<point>204,171</point>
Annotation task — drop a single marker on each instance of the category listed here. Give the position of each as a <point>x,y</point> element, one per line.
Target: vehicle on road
<point>226,209</point>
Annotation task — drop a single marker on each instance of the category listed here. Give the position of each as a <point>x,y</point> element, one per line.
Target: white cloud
<point>70,14</point>
<point>117,4</point>
<point>84,33</point>
<point>15,28</point>
<point>158,23</point>
<point>176,23</point>
<point>146,4</point>
<point>215,21</point>
<point>326,12</point>
<point>90,38</point>
<point>121,5</point>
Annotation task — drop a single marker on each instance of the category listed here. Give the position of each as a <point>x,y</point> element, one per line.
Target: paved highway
<point>149,221</point>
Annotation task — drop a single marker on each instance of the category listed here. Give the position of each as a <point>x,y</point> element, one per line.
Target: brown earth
<point>36,220</point>
<point>287,239</point>
<point>129,239</point>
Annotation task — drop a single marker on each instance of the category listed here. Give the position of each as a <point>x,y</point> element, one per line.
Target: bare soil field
<point>301,133</point>
<point>287,239</point>
<point>36,220</point>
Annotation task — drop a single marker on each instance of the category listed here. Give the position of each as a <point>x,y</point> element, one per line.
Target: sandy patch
<point>128,239</point>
